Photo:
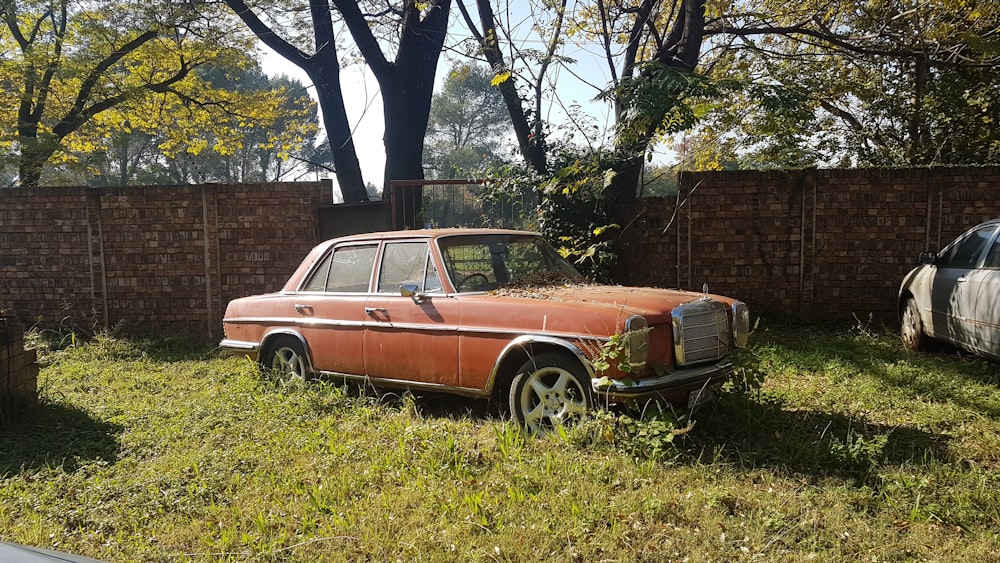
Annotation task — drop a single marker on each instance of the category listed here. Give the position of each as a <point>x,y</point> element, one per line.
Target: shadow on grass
<point>430,404</point>
<point>943,374</point>
<point>740,430</point>
<point>54,435</point>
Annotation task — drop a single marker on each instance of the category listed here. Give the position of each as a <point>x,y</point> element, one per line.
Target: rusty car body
<point>485,313</point>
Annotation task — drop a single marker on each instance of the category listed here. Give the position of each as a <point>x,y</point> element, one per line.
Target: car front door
<point>411,338</point>
<point>330,308</point>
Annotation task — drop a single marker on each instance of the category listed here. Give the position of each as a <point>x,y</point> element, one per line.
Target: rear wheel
<point>912,329</point>
<point>550,390</point>
<point>285,360</point>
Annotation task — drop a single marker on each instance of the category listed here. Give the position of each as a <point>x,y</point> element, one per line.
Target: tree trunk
<point>680,50</point>
<point>918,149</point>
<point>326,77</point>
<point>532,147</point>
<point>323,67</point>
<point>407,87</point>
<point>34,154</point>
<point>405,126</point>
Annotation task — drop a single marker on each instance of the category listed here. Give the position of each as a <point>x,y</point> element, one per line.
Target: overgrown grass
<point>833,444</point>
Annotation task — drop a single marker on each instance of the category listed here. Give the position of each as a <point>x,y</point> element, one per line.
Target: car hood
<point>655,304</point>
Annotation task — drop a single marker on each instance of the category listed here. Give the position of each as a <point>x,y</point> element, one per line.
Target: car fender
<point>915,286</point>
<point>525,343</point>
<point>285,331</point>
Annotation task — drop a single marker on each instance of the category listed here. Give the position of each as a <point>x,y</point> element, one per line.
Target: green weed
<point>832,444</point>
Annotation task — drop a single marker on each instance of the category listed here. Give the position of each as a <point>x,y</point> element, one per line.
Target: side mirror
<point>410,290</point>
<point>927,257</point>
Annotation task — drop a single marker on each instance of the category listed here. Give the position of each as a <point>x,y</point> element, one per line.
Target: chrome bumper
<point>677,380</point>
<point>240,348</point>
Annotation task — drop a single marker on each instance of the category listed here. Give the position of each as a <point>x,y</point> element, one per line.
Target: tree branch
<point>364,39</point>
<point>267,36</point>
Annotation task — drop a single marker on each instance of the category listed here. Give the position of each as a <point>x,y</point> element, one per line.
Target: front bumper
<point>676,381</point>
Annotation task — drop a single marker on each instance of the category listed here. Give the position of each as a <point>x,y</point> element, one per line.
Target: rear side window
<point>965,253</point>
<point>320,275</point>
<point>347,269</point>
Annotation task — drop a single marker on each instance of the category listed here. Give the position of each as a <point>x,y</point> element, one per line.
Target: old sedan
<point>485,313</point>
<point>954,295</point>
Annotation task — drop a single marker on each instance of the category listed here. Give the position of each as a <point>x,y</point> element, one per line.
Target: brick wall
<point>18,372</point>
<point>164,255</point>
<point>813,242</point>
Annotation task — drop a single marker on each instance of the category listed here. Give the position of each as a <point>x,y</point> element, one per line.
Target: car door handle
<point>962,279</point>
<point>304,309</point>
<point>372,310</point>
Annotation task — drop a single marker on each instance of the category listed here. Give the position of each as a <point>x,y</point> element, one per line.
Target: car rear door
<point>412,339</point>
<point>330,308</point>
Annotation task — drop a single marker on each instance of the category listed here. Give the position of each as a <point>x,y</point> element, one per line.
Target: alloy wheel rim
<point>288,363</point>
<point>551,397</point>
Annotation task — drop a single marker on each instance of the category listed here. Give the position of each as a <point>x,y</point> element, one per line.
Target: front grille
<point>701,332</point>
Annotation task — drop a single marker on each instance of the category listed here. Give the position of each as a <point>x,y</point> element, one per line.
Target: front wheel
<point>549,390</point>
<point>912,328</point>
<point>285,360</point>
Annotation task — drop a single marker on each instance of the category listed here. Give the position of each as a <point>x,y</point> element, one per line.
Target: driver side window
<point>966,252</point>
<point>993,258</point>
<point>407,263</point>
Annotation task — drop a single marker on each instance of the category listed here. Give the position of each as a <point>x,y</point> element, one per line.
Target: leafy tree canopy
<point>77,73</point>
<point>869,84</point>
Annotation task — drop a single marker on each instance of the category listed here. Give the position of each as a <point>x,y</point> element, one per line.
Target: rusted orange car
<point>485,313</point>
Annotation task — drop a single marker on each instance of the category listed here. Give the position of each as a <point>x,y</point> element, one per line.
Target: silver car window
<point>993,258</point>
<point>320,275</point>
<point>965,253</point>
<point>403,263</point>
<point>351,270</point>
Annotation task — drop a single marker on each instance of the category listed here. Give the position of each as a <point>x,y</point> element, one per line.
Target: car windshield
<point>488,262</point>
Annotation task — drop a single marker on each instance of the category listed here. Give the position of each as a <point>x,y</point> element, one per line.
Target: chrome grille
<point>701,331</point>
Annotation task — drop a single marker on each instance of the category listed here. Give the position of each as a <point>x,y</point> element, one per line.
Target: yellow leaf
<point>500,78</point>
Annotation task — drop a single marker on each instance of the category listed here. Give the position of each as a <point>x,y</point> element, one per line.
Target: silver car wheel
<point>549,391</point>
<point>288,362</point>
<point>912,326</point>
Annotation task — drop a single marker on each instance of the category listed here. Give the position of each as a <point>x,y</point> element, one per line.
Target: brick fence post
<point>18,372</point>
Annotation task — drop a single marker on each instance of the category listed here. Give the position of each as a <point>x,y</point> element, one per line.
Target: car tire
<point>912,327</point>
<point>285,360</point>
<point>550,390</point>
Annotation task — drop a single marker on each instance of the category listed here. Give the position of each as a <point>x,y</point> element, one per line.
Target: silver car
<point>954,295</point>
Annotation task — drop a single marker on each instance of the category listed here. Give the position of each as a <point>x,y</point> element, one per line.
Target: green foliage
<point>616,352</point>
<point>509,198</point>
<point>651,435</point>
<point>152,450</point>
<point>113,89</point>
<point>656,102</point>
<point>577,208</point>
<point>269,142</point>
<point>870,85</point>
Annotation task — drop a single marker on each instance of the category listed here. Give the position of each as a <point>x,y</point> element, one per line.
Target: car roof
<point>429,233</point>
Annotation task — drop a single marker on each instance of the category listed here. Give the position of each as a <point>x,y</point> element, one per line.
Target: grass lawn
<point>833,444</point>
